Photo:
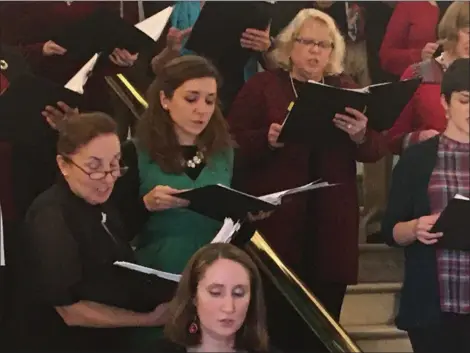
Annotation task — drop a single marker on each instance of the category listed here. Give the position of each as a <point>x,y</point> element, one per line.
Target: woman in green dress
<point>182,142</point>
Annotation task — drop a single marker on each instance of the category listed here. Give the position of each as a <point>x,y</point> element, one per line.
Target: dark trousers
<point>451,335</point>
<point>331,295</point>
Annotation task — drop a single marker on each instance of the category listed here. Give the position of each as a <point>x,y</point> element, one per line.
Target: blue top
<point>185,14</point>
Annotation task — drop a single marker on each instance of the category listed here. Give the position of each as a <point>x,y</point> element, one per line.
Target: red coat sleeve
<point>401,131</point>
<point>249,123</point>
<point>394,55</point>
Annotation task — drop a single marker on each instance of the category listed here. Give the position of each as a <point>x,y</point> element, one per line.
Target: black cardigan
<point>408,200</point>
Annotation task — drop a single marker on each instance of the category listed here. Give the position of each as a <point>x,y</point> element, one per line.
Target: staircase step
<point>370,304</point>
<point>380,263</point>
<point>379,338</point>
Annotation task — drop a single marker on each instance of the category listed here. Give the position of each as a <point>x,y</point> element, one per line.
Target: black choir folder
<point>219,202</point>
<point>104,30</point>
<point>317,104</point>
<point>24,100</point>
<point>219,27</point>
<point>454,222</point>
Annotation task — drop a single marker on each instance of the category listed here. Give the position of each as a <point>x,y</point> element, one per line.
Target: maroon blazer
<point>27,25</point>
<point>316,232</point>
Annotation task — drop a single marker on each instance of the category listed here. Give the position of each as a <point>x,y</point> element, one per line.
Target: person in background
<point>68,294</point>
<point>410,36</point>
<point>184,16</point>
<point>219,305</point>
<point>434,304</point>
<point>28,27</point>
<point>306,231</point>
<point>182,142</point>
<point>424,117</point>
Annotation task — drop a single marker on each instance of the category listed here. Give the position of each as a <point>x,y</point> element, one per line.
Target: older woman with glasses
<point>68,292</point>
<point>317,235</point>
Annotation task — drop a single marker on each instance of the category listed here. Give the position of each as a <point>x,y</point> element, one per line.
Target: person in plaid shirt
<point>435,301</point>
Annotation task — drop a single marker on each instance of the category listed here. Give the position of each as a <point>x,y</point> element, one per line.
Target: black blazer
<point>67,256</point>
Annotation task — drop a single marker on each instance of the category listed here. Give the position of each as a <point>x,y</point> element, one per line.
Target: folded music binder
<point>454,223</point>
<point>102,31</point>
<point>24,100</point>
<point>317,104</point>
<point>120,284</point>
<point>220,202</point>
<point>217,32</point>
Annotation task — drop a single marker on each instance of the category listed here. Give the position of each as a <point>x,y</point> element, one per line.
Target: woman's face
<point>458,112</point>
<point>462,45</point>
<point>191,107</point>
<point>312,49</point>
<point>222,299</point>
<point>102,154</point>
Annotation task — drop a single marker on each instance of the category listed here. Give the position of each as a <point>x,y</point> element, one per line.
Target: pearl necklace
<point>195,161</point>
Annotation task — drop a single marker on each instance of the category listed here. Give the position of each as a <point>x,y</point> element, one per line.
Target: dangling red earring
<point>193,328</point>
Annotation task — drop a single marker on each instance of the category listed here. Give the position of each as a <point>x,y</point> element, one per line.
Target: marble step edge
<point>375,288</point>
<point>365,248</point>
<point>375,332</point>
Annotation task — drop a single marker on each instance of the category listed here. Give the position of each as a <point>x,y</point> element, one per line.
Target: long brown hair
<point>253,335</point>
<point>155,131</point>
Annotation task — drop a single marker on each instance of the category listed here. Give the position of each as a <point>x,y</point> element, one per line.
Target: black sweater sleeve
<point>125,196</point>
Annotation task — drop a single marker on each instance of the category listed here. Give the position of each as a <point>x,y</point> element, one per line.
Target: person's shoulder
<point>164,345</point>
<point>267,76</point>
<point>51,198</point>
<point>419,154</point>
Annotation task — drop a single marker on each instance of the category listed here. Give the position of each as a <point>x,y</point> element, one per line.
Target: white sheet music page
<point>276,198</point>
<point>154,25</point>
<point>77,82</point>
<point>2,244</point>
<point>150,271</point>
<point>227,231</point>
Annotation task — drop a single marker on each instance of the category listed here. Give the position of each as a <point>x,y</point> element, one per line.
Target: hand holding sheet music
<point>381,104</point>
<point>220,201</point>
<point>454,223</point>
<point>104,31</point>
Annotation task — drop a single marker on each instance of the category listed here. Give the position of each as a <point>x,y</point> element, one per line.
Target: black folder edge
<point>442,224</point>
<point>195,197</point>
<point>198,30</point>
<point>140,39</point>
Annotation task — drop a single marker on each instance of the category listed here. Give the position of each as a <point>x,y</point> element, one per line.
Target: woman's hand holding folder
<point>422,229</point>
<point>273,135</point>
<point>355,124</point>
<point>161,198</point>
<point>52,48</point>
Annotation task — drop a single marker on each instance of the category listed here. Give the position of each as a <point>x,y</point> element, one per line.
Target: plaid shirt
<point>451,176</point>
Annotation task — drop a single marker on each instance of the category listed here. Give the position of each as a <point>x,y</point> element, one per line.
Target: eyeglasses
<point>115,173</point>
<point>323,44</point>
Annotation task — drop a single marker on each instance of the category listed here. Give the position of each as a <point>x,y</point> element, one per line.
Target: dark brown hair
<point>253,335</point>
<point>155,131</point>
<point>79,129</point>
